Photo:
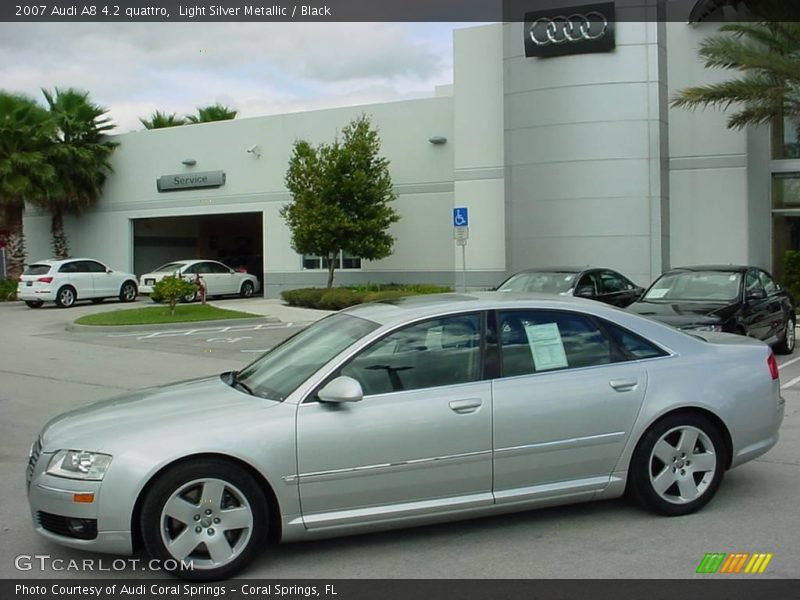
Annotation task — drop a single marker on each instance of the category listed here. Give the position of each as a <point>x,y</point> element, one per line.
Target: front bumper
<point>52,506</point>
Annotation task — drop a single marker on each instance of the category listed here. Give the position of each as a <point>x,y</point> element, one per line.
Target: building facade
<point>561,160</point>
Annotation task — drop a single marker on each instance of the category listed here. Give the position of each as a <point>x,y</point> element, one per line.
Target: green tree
<point>172,290</point>
<point>26,136</point>
<point>160,120</point>
<point>213,112</point>
<point>341,194</point>
<point>767,57</point>
<point>81,158</point>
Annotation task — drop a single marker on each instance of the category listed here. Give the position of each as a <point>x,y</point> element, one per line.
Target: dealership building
<point>563,150</point>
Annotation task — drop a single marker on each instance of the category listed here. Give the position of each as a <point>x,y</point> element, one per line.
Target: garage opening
<point>234,239</point>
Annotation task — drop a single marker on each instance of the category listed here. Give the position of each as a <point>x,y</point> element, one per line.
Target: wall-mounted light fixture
<point>437,140</point>
<point>255,150</point>
<point>189,162</point>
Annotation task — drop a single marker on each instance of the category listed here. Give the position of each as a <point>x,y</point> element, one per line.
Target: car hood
<point>684,314</point>
<point>154,412</point>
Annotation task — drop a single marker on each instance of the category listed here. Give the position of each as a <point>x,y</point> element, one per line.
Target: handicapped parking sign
<point>460,217</point>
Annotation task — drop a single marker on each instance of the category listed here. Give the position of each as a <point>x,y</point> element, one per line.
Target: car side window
<point>192,269</point>
<point>70,267</point>
<point>612,282</point>
<point>94,267</point>
<point>751,281</point>
<point>588,282</point>
<point>635,346</point>
<point>538,341</point>
<point>434,353</point>
<point>217,268</point>
<point>769,284</point>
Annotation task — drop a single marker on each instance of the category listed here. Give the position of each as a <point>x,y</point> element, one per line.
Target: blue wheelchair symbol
<point>460,217</point>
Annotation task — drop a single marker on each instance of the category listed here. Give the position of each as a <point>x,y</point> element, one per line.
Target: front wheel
<point>248,289</point>
<point>786,346</point>
<point>128,292</point>
<point>190,297</point>
<point>678,465</point>
<point>206,519</point>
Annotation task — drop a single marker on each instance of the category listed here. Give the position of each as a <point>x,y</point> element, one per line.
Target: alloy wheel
<point>682,465</point>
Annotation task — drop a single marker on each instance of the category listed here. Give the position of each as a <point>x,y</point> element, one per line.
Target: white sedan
<point>219,279</point>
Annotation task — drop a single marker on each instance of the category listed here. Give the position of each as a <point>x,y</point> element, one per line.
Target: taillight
<point>773,366</point>
<point>45,280</point>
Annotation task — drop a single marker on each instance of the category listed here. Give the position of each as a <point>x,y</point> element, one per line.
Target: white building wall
<point>585,153</point>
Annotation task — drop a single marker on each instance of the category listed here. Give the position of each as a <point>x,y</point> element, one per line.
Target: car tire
<point>786,345</point>
<point>247,290</point>
<point>184,516</point>
<point>189,298</point>
<point>128,292</point>
<point>678,465</point>
<point>66,296</point>
<point>34,303</point>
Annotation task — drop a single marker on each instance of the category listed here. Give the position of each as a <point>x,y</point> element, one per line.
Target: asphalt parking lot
<point>45,370</point>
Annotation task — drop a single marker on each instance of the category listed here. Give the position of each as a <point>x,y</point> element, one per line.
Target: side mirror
<point>341,389</point>
<point>757,294</point>
<point>585,291</point>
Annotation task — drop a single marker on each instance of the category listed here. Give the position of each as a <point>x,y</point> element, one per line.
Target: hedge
<point>342,297</point>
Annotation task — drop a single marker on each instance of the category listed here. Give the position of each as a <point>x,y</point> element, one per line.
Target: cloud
<point>258,68</point>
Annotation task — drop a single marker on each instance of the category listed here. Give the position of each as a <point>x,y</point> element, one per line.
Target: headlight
<point>78,464</point>
<point>716,327</point>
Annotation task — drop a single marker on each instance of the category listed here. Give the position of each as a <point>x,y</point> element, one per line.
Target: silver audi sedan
<point>403,413</point>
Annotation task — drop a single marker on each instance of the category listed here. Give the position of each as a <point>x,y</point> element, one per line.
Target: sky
<point>133,69</point>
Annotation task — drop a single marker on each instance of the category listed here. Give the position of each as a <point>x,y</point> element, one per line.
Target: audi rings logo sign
<point>573,30</point>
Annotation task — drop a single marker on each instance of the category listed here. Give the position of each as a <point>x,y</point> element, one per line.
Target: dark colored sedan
<point>735,299</point>
<point>603,285</point>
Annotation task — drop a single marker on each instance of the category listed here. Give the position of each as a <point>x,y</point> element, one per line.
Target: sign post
<point>461,235</point>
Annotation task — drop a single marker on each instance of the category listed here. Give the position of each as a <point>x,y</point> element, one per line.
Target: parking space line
<point>171,333</point>
<point>790,383</point>
<point>788,362</point>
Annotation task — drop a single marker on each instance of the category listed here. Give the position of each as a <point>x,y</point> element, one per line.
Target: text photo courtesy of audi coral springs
<point>663,414</point>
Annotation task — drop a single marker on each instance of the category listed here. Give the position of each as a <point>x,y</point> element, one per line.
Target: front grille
<point>33,458</point>
<point>82,529</point>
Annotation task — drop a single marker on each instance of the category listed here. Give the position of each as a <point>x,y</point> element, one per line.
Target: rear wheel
<point>786,346</point>
<point>65,297</point>
<point>211,513</point>
<point>34,303</point>
<point>678,465</point>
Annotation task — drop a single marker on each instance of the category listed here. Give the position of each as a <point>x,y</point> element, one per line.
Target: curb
<point>76,328</point>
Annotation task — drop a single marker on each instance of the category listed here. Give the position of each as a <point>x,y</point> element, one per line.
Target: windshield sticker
<point>547,347</point>
<point>657,293</point>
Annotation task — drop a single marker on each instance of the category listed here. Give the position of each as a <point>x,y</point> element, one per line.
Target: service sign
<point>570,30</point>
<point>188,181</point>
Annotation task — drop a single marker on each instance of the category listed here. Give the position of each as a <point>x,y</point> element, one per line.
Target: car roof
<point>556,270</point>
<point>58,261</point>
<point>722,268</point>
<point>409,308</point>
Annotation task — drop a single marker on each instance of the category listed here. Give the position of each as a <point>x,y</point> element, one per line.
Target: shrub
<point>8,289</point>
<point>791,272</point>
<point>172,290</point>
<point>342,297</point>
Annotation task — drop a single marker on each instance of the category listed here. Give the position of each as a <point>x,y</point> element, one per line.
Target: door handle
<point>465,406</point>
<point>623,385</point>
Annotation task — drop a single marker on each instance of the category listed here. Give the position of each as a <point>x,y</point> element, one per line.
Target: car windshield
<point>281,370</point>
<point>713,286</point>
<point>546,282</point>
<point>169,267</point>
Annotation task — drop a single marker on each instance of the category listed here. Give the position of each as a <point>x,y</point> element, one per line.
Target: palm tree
<point>80,156</point>
<point>767,55</point>
<point>160,120</point>
<point>213,112</point>
<point>26,136</point>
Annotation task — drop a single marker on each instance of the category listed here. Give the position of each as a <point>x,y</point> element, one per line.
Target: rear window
<point>37,270</point>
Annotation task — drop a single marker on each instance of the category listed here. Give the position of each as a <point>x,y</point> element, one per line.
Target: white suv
<point>65,281</point>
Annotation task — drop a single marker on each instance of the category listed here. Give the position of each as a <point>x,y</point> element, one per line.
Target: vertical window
<point>439,352</point>
<point>538,341</point>
<point>343,261</point>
